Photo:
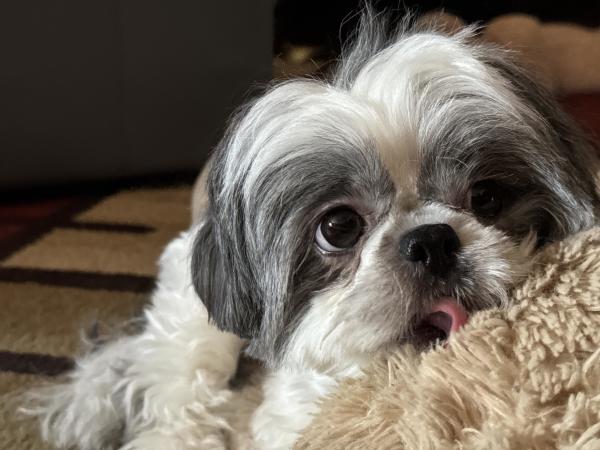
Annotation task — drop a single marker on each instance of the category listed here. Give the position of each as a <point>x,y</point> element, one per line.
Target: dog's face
<point>341,215</point>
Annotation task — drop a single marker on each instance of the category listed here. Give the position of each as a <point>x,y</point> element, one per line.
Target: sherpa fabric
<point>526,377</point>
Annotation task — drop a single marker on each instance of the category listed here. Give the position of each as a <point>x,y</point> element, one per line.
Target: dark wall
<point>328,23</point>
<point>106,88</point>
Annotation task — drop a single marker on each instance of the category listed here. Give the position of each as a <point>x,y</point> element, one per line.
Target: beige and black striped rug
<point>92,261</point>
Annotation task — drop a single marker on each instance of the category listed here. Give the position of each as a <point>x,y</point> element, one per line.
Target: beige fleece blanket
<point>528,377</point>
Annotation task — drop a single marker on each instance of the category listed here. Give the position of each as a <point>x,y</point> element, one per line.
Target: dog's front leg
<point>162,388</point>
<point>291,399</point>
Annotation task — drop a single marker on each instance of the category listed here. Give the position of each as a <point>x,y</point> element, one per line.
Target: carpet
<point>67,266</point>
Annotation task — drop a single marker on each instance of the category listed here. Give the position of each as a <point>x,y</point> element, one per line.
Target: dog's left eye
<point>339,230</point>
<point>486,199</point>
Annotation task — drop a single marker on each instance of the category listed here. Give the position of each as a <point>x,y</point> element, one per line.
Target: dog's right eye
<point>486,199</point>
<point>339,229</point>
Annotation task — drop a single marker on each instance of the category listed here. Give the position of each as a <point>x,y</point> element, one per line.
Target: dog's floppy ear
<point>220,282</point>
<point>571,159</point>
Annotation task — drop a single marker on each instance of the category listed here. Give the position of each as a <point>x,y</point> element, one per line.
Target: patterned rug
<point>66,265</point>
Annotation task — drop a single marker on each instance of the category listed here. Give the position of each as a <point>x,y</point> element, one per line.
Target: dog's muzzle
<point>435,247</point>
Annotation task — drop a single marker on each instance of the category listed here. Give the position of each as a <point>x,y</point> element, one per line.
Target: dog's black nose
<point>434,245</point>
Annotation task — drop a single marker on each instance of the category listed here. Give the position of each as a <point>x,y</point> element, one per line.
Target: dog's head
<point>343,213</point>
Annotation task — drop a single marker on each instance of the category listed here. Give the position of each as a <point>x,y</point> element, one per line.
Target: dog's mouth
<point>446,317</point>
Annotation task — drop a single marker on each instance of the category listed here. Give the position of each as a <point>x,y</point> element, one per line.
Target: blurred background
<point>109,108</point>
<point>110,89</point>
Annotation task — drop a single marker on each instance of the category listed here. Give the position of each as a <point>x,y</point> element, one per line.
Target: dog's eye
<point>340,229</point>
<point>486,199</point>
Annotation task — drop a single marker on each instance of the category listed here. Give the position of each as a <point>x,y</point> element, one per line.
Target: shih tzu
<point>344,218</point>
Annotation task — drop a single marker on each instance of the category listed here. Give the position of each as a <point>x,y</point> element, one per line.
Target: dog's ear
<point>221,283</point>
<point>571,159</point>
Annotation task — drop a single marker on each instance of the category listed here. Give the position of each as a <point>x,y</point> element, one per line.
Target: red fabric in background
<point>26,216</point>
<point>8,231</point>
<point>586,110</point>
<point>31,210</point>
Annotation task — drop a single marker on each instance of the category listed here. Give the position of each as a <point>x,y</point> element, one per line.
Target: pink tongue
<point>448,315</point>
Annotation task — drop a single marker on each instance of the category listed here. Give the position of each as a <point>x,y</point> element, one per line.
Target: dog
<point>341,218</point>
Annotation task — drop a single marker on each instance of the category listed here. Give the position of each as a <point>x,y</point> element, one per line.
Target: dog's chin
<point>447,316</point>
